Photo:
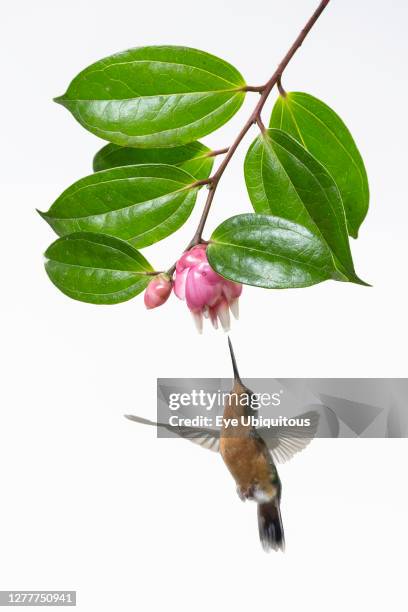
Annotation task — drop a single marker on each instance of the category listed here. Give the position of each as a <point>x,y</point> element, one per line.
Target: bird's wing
<point>207,438</point>
<point>282,442</point>
<point>285,441</point>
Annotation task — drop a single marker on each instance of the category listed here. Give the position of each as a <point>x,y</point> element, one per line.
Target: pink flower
<point>157,291</point>
<point>206,292</point>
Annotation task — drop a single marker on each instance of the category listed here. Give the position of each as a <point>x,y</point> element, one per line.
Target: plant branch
<point>255,118</point>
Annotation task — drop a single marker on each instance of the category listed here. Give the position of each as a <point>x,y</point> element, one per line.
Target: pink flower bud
<point>207,293</point>
<point>157,291</point>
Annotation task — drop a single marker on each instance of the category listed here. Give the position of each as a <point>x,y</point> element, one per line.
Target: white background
<point>92,502</point>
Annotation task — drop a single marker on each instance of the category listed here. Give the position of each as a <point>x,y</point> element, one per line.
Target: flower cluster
<point>206,293</point>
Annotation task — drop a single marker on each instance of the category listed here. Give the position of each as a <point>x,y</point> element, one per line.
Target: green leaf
<point>283,179</point>
<point>96,268</point>
<point>155,96</point>
<point>194,158</point>
<point>270,252</point>
<point>140,204</point>
<point>324,134</point>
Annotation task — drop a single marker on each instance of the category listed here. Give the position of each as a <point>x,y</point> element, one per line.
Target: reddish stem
<point>255,118</point>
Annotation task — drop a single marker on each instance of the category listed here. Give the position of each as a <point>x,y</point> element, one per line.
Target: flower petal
<point>213,316</point>
<point>208,274</point>
<point>231,290</point>
<point>234,307</point>
<point>180,283</point>
<point>198,321</point>
<point>192,257</point>
<point>223,314</point>
<point>199,293</point>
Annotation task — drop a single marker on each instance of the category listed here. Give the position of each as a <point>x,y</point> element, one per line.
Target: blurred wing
<point>284,442</point>
<point>207,438</point>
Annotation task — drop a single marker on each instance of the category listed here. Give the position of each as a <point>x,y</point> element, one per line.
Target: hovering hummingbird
<point>250,453</point>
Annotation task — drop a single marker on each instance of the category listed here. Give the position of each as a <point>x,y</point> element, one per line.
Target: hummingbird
<point>250,463</point>
<point>250,453</point>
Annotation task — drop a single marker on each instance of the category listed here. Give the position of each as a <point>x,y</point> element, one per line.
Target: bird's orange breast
<point>244,453</point>
<point>246,461</point>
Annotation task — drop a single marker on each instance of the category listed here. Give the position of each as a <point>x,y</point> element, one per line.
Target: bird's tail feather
<point>270,526</point>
